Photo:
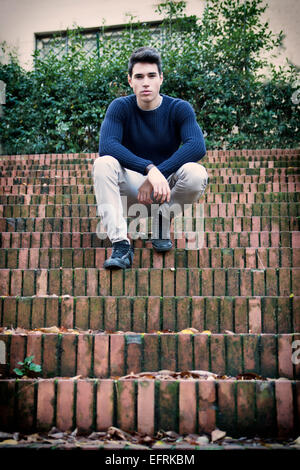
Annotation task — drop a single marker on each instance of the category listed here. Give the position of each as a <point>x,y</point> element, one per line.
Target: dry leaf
<point>9,442</point>
<point>207,332</point>
<point>217,434</point>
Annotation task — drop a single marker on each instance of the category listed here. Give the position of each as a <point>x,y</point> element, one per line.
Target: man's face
<point>145,82</point>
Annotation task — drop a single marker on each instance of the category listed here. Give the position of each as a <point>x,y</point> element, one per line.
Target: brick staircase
<point>88,327</point>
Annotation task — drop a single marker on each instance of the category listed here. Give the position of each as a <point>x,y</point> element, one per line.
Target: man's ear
<point>129,80</point>
<point>162,78</point>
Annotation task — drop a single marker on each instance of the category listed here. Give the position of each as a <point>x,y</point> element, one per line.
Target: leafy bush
<point>215,62</point>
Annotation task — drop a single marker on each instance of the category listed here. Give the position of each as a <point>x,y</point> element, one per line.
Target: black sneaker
<point>161,244</point>
<point>121,257</point>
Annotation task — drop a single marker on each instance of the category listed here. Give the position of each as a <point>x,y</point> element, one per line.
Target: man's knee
<point>195,176</point>
<point>104,164</point>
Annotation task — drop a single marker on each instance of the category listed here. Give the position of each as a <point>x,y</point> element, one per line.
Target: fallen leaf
<point>9,442</point>
<point>189,331</point>
<point>217,434</point>
<point>207,332</point>
<point>229,332</point>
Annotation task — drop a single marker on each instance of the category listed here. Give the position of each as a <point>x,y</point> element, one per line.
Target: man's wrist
<point>148,168</point>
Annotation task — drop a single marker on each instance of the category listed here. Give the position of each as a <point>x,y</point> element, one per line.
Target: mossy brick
<point>198,313</point>
<point>151,356</point>
<point>7,401</point>
<point>251,353</point>
<point>226,318</point>
<point>232,257</point>
<point>12,258</point>
<point>258,282</point>
<point>41,282</point>
<point>16,282</point>
<point>234,355</point>
<point>124,313</point>
<point>217,354</point>
<point>185,352</point>
<point>105,404</point>
<point>183,312</point>
<point>26,406</point>
<point>101,353</point>
<point>130,282</point>
<point>206,282</point>
<point>55,281</point>
<point>295,306</point>
<point>211,314</point>
<point>142,282</point>
<point>201,351</point>
<point>139,314</point>
<point>92,282</point>
<point>45,404</point>
<point>206,404</point>
<point>17,351</point>
<point>79,281</point>
<point>9,308</point>
<point>66,257</point>
<point>99,256</point>
<point>153,314</point>
<point>84,355</point>
<point>168,349</point>
<point>54,255</point>
<point>146,406</point>
<point>250,257</point>
<point>295,278</point>
<point>269,315</point>
<point>158,260</point>
<point>52,311</point>
<point>81,305</point>
<point>38,312</point>
<point>219,282</point>
<point>133,353</point>
<point>117,355</point>
<point>274,256</point>
<point>204,255</point>
<point>265,408</point>
<point>67,312</point>
<point>68,355</point>
<point>167,410</point>
<point>181,281</point>
<point>284,408</point>
<point>168,276</point>
<point>50,355</point>
<point>125,404</point>
<point>145,260</point>
<point>96,313</point>
<point>271,282</point>
<point>168,313</point>
<point>187,407</point>
<point>34,347</point>
<point>117,282</point>
<point>226,407</point>
<point>284,315</point>
<point>194,281</point>
<point>28,283</point>
<point>246,408</point>
<point>84,405</point>
<point>268,355</point>
<point>285,351</point>
<point>104,281</point>
<point>110,314</point>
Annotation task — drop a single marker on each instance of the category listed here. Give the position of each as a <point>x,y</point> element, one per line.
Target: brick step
<point>239,407</point>
<point>45,258</point>
<point>73,180</point>
<point>69,354</point>
<point>213,170</point>
<point>282,209</point>
<point>151,281</point>
<point>215,198</point>
<point>269,314</point>
<point>200,225</point>
<point>79,189</point>
<point>90,240</point>
<point>235,164</point>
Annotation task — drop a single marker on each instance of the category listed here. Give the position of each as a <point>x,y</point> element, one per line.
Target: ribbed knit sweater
<point>167,136</point>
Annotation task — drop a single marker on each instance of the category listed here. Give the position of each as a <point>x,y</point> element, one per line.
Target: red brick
<point>187,407</point>
<point>45,404</point>
<point>17,351</point>
<point>251,353</point>
<point>185,352</point>
<point>54,282</point>
<point>201,351</point>
<point>65,403</point>
<point>265,407</point>
<point>25,413</point>
<point>110,320</point>
<point>67,281</point>
<point>68,355</point>
<point>245,282</point>
<point>101,352</point>
<point>285,365</point>
<point>284,282</point>
<point>67,312</point>
<point>271,282</point>
<point>268,355</point>
<point>139,314</point>
<point>226,406</point>
<point>142,282</point>
<point>34,347</point>
<point>206,282</point>
<point>183,314</point>
<point>206,406</point>
<point>194,281</point>
<point>16,282</point>
<point>284,408</point>
<point>124,316</point>
<point>84,355</point>
<point>168,351</point>
<point>168,282</point>
<point>145,407</point>
<point>9,312</point>
<point>92,282</point>
<point>117,355</point>
<point>51,311</point>
<point>79,282</point>
<point>153,314</point>
<point>50,355</point>
<point>168,309</point>
<point>117,282</point>
<point>130,289</point>
<point>255,320</point>
<point>38,312</point>
<point>104,280</point>
<point>126,404</point>
<point>134,353</point>
<point>7,399</point>
<point>151,352</point>
<point>105,404</point>
<point>246,407</point>
<point>84,405</point>
<point>212,315</point>
<point>82,312</point>
<point>226,314</point>
<point>168,407</point>
<point>219,282</point>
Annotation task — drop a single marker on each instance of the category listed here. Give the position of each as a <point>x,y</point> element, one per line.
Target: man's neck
<point>150,106</point>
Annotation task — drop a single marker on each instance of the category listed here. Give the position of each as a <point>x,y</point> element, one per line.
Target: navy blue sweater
<point>167,136</point>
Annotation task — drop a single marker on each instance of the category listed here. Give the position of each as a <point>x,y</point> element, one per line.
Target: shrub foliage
<point>216,62</point>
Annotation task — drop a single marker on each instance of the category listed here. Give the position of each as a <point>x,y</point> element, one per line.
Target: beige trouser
<point>116,190</point>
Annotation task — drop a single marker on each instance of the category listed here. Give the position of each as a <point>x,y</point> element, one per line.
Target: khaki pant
<point>116,190</point>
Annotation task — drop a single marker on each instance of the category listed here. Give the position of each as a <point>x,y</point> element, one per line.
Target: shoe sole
<point>162,250</point>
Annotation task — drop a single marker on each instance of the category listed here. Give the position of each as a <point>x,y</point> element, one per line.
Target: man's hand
<point>144,194</point>
<point>161,188</point>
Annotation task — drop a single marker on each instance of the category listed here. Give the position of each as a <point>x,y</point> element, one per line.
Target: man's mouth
<point>146,92</point>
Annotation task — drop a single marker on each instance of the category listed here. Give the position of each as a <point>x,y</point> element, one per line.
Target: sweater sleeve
<point>111,134</point>
<point>193,146</point>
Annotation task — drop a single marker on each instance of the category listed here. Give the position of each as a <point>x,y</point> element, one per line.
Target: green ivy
<point>215,62</point>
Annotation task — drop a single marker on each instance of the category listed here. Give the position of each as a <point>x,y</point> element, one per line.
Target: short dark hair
<point>145,54</point>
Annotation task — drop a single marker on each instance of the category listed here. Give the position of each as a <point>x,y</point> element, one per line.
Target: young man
<point>149,147</point>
